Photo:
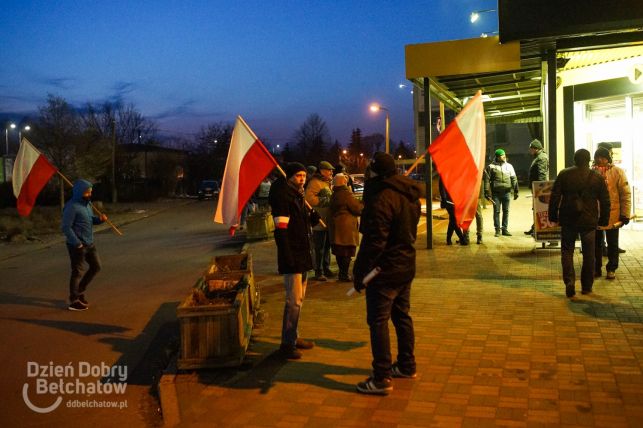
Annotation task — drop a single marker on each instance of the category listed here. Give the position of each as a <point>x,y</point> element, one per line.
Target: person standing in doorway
<point>539,169</point>
<point>579,202</point>
<point>77,225</point>
<point>502,182</point>
<point>620,206</point>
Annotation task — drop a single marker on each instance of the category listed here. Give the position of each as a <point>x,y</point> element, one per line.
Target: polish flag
<point>31,171</point>
<point>249,162</point>
<point>459,154</point>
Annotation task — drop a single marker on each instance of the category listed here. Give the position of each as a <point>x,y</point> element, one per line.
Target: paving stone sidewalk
<point>497,344</point>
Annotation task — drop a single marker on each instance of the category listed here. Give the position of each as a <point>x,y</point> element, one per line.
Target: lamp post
<point>475,15</point>
<point>26,129</point>
<point>6,138</point>
<point>375,108</point>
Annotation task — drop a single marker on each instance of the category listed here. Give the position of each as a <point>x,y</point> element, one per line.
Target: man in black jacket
<point>539,169</point>
<point>293,221</point>
<point>386,262</point>
<point>579,202</point>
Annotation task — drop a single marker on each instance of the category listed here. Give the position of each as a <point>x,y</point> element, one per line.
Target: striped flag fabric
<point>459,154</point>
<point>31,171</point>
<point>248,163</point>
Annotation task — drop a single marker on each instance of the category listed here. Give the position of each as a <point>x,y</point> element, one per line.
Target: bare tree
<point>311,139</point>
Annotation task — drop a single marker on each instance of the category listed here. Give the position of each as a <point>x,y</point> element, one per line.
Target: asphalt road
<point>146,273</point>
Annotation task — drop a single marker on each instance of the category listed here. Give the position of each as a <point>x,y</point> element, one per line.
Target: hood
<point>399,183</point>
<point>80,187</point>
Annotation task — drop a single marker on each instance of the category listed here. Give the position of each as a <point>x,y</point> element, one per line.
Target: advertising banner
<point>544,230</point>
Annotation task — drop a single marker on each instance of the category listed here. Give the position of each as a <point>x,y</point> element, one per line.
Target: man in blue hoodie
<point>77,223</point>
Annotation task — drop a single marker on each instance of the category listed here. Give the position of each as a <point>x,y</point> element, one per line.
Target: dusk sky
<point>186,64</point>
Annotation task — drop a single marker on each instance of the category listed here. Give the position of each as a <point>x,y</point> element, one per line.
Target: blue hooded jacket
<point>78,218</point>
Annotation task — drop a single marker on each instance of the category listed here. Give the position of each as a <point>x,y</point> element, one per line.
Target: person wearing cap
<point>579,202</point>
<point>539,169</point>
<point>620,206</point>
<point>501,182</point>
<point>610,149</point>
<point>318,193</point>
<point>386,262</point>
<point>293,235</point>
<point>77,225</point>
<point>343,225</point>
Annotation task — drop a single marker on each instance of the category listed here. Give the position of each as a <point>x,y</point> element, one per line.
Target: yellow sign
<point>636,74</point>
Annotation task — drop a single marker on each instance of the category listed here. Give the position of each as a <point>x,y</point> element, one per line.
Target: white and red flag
<point>459,154</point>
<point>248,163</point>
<point>31,171</point>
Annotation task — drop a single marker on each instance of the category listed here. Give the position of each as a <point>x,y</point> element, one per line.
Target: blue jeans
<point>568,235</point>
<point>321,241</point>
<point>295,285</point>
<point>501,201</point>
<point>78,282</point>
<point>384,302</point>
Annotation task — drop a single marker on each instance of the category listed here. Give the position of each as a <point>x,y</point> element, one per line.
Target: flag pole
<point>321,222</point>
<point>92,205</point>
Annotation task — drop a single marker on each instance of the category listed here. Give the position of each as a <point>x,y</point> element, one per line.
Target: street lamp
<point>375,108</point>
<point>6,138</point>
<point>475,15</point>
<point>26,129</point>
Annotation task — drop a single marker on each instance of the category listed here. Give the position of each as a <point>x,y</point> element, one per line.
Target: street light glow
<point>375,107</point>
<point>12,126</point>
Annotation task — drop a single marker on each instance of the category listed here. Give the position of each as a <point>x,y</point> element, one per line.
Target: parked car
<point>208,189</point>
<point>358,185</point>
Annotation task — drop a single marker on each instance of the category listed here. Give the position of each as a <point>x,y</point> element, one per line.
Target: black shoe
<point>479,240</point>
<point>319,277</point>
<point>396,372</point>
<point>464,241</point>
<point>530,231</point>
<point>304,344</point>
<point>621,251</point>
<point>598,274</point>
<point>330,274</point>
<point>373,386</point>
<point>77,306</point>
<point>449,242</point>
<point>505,233</point>
<point>290,352</point>
<point>497,233</point>
<point>586,292</point>
<point>344,278</point>
<point>82,300</point>
<point>570,291</point>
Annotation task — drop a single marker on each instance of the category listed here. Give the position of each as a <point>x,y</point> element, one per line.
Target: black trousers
<point>78,282</point>
<point>611,236</point>
<point>567,243</point>
<point>384,302</point>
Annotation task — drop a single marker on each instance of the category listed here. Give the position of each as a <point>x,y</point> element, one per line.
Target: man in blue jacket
<point>77,223</point>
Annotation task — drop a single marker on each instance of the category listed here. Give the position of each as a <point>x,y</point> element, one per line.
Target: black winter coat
<point>389,228</point>
<point>294,251</point>
<point>579,188</point>
<point>539,169</point>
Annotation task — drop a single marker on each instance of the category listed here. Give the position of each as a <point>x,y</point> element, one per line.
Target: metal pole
<point>114,192</point>
<point>387,132</point>
<point>428,168</point>
<point>6,141</point>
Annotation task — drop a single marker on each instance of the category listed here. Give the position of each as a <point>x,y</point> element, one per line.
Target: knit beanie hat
<point>602,152</point>
<point>536,144</point>
<point>383,164</point>
<point>500,152</point>
<point>293,168</point>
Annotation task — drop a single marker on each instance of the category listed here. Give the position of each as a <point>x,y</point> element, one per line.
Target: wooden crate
<point>214,335</point>
<point>229,266</point>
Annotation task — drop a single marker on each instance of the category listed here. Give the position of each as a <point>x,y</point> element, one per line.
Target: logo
<point>52,383</point>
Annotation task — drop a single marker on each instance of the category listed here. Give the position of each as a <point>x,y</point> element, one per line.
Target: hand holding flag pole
<point>100,214</point>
